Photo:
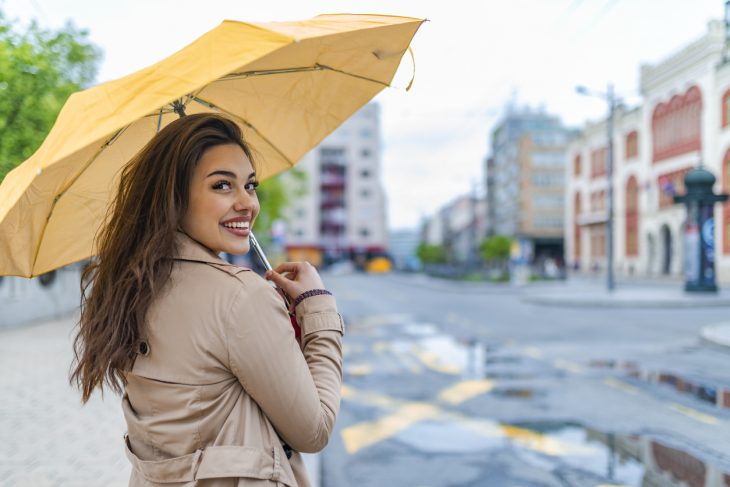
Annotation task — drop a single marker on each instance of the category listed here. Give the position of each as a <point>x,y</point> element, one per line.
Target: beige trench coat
<point>224,383</point>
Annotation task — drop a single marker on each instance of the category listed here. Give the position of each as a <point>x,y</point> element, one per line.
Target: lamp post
<point>610,98</point>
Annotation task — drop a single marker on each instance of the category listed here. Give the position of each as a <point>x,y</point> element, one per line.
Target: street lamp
<point>611,100</point>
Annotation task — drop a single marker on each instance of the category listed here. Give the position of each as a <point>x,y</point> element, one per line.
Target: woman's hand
<point>295,278</point>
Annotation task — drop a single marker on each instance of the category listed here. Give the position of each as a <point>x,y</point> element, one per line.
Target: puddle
<point>709,393</point>
<point>571,451</point>
<point>445,354</point>
<point>513,392</point>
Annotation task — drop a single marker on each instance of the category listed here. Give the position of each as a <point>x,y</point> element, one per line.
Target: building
<point>525,182</point>
<point>458,226</point>
<point>682,121</point>
<point>342,213</point>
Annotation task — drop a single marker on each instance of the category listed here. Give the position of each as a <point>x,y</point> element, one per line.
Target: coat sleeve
<point>297,388</point>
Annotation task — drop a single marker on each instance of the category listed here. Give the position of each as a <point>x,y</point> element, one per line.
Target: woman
<point>217,389</point>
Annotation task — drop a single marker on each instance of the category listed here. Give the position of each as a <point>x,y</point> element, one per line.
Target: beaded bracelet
<point>309,294</point>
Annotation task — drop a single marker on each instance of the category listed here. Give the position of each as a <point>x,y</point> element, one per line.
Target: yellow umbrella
<point>288,84</point>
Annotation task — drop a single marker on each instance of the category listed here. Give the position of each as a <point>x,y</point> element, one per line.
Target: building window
<point>670,184</point>
<point>726,109</point>
<point>576,166</point>
<point>632,217</point>
<point>598,201</point>
<point>365,173</point>
<point>365,193</point>
<point>598,162</point>
<point>676,125</point>
<point>365,153</point>
<point>364,232</point>
<point>632,145</point>
<point>598,241</point>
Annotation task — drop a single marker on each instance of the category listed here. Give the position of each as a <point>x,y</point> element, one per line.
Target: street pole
<point>610,283</point>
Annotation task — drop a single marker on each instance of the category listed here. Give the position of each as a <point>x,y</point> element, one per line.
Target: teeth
<point>236,225</point>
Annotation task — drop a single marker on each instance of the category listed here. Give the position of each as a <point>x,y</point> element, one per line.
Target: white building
<point>682,122</point>
<point>342,214</point>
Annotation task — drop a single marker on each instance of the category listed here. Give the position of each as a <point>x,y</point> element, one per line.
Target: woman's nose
<point>245,201</point>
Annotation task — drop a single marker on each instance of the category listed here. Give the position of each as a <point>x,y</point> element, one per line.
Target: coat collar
<point>189,249</point>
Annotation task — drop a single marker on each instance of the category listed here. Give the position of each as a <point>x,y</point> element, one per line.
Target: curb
<point>627,299</point>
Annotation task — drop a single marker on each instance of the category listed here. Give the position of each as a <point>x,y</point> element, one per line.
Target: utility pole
<point>610,98</point>
<point>610,282</point>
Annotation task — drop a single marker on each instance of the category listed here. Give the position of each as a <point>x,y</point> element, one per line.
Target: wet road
<point>449,384</point>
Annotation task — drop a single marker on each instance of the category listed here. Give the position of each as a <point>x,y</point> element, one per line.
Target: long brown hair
<point>134,247</point>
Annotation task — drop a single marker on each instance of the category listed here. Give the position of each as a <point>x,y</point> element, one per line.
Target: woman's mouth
<point>239,228</point>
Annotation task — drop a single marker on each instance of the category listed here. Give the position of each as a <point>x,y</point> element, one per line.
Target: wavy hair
<point>134,247</point>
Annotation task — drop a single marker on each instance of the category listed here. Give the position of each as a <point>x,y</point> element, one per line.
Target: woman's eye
<point>222,185</point>
<point>251,186</point>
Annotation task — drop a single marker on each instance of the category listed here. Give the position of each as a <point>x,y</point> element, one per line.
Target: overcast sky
<point>472,58</point>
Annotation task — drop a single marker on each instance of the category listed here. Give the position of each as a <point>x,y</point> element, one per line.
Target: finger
<point>277,279</point>
<point>288,267</point>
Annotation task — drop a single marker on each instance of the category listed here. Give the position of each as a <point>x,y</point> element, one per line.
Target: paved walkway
<point>48,438</point>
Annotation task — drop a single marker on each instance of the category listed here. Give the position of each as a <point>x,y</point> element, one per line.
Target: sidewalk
<point>49,438</point>
<point>583,293</point>
<point>717,335</point>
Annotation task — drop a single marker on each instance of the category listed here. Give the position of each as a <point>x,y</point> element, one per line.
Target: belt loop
<point>196,463</point>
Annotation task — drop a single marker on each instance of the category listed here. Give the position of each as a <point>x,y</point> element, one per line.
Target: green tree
<point>274,196</point>
<point>39,70</point>
<point>495,248</point>
<point>431,254</point>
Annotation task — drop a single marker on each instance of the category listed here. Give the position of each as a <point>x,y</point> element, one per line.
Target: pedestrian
<point>217,389</point>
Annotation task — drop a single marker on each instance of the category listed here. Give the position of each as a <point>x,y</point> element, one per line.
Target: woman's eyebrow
<point>221,172</point>
<point>252,175</point>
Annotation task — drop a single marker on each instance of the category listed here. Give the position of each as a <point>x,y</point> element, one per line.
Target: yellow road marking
<point>367,433</point>
<point>567,365</point>
<point>694,414</point>
<point>359,370</point>
<point>465,390</point>
<point>433,362</point>
<point>617,384</point>
<point>407,413</point>
<point>534,352</point>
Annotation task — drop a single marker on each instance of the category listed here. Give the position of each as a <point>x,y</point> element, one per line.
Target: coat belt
<point>213,462</point>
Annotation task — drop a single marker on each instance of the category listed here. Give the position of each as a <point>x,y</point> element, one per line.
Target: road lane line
<point>694,414</point>
<point>364,434</point>
<point>358,370</point>
<point>617,384</point>
<point>407,413</point>
<point>465,390</point>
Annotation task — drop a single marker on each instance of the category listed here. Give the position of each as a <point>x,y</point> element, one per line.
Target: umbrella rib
<point>68,186</point>
<point>246,123</point>
<point>316,67</point>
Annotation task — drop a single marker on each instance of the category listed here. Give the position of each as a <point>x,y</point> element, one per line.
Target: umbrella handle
<point>262,257</point>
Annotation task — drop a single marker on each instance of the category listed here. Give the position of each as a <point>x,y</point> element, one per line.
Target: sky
<point>472,59</point>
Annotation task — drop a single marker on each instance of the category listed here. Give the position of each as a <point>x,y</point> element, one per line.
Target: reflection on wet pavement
<point>709,393</point>
<point>461,369</point>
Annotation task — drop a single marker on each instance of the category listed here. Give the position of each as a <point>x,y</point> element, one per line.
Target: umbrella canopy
<point>287,84</point>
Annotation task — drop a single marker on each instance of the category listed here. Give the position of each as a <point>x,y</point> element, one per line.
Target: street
<point>446,384</point>
<point>451,383</point>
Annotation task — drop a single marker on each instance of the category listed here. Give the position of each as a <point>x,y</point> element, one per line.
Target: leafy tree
<point>495,248</point>
<point>39,70</point>
<point>431,254</point>
<point>274,196</point>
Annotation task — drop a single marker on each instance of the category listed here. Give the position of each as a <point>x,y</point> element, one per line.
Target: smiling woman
<point>223,202</point>
<point>216,384</point>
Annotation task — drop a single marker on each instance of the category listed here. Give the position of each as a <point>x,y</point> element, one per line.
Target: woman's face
<point>223,203</point>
